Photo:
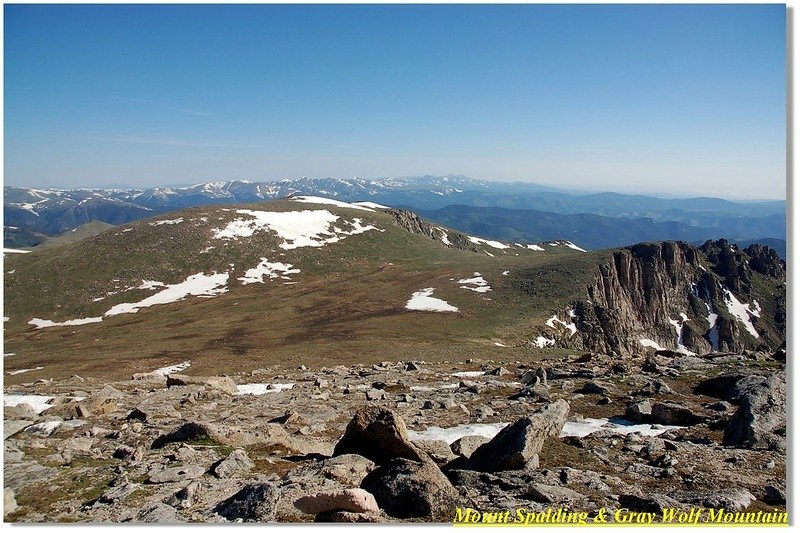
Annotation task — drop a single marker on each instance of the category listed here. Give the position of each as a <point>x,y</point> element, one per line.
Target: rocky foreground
<point>377,444</point>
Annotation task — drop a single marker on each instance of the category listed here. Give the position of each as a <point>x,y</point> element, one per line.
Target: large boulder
<point>410,489</point>
<point>760,421</point>
<point>518,445</point>
<point>254,503</point>
<point>378,434</point>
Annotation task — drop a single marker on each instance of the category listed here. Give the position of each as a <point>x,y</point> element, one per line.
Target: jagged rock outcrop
<point>653,295</point>
<point>447,237</point>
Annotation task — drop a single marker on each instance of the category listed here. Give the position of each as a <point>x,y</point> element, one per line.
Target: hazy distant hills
<point>593,231</point>
<point>523,211</point>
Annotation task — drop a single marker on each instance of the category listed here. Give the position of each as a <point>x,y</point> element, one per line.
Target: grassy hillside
<point>346,304</point>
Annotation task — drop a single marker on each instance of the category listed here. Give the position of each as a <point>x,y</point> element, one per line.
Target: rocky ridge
<point>401,441</point>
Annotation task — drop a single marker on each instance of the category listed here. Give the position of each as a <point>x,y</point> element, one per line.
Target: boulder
<point>639,411</point>
<point>410,489</point>
<point>651,503</point>
<point>466,446</point>
<point>350,500</point>
<point>186,497</point>
<point>237,461</point>
<point>760,420</point>
<point>518,445</point>
<point>438,450</point>
<point>254,503</point>
<point>21,411</point>
<point>378,434</point>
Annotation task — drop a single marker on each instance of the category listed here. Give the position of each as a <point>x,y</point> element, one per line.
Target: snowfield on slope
<point>329,201</point>
<point>266,268</point>
<point>298,229</point>
<point>742,312</point>
<point>424,301</point>
<point>196,285</point>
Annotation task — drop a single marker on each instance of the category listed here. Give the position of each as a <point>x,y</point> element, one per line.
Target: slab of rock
<point>409,489</point>
<point>254,503</point>
<point>673,414</point>
<point>774,495</point>
<point>438,450</point>
<point>379,434</point>
<point>350,500</point>
<point>237,461</point>
<point>761,417</point>
<point>177,473</point>
<point>518,445</point>
<point>21,411</point>
<point>12,427</point>
<point>555,495</point>
<point>160,514</point>
<point>651,503</point>
<point>9,501</point>
<point>348,517</point>
<point>220,383</point>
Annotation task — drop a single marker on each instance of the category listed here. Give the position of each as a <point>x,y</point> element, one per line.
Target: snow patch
<point>266,268</point>
<point>195,285</point>
<point>168,222</point>
<point>297,228</point>
<point>741,312</point>
<point>42,323</point>
<point>22,371</point>
<point>553,320</point>
<point>582,428</point>
<point>257,389</point>
<point>372,205</point>
<point>479,284</point>
<point>535,247</point>
<point>650,344</point>
<point>329,201</point>
<point>15,251</point>
<point>468,374</point>
<point>424,301</point>
<point>541,342</point>
<point>493,244</point>
<point>36,401</point>
<point>167,370</point>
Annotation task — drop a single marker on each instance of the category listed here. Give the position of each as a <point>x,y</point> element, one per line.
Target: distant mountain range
<point>511,211</point>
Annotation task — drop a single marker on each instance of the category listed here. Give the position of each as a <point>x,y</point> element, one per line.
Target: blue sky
<point>684,100</point>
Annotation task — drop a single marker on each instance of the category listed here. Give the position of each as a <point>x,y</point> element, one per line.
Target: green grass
<point>348,304</point>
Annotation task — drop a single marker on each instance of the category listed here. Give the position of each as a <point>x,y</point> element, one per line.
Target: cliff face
<point>452,239</point>
<point>671,295</point>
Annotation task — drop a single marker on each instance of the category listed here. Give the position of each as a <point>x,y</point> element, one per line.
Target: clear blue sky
<point>686,100</point>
